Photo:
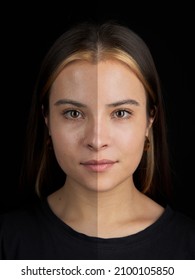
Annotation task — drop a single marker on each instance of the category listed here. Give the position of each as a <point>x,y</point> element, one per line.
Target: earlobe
<point>46,121</point>
<point>151,120</point>
<point>152,116</point>
<point>150,123</point>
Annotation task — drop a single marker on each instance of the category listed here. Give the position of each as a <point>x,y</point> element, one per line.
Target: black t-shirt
<point>38,234</point>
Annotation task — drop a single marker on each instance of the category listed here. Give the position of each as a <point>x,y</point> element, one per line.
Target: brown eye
<point>72,114</point>
<point>122,114</point>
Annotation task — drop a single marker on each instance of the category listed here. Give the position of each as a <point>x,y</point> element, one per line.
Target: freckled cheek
<point>65,149</point>
<point>64,141</point>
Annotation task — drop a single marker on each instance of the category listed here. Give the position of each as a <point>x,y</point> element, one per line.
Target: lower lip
<point>98,167</point>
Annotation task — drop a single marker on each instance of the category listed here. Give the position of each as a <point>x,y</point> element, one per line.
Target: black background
<point>27,32</point>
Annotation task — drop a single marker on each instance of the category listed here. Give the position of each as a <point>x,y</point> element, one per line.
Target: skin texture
<point>101,199</point>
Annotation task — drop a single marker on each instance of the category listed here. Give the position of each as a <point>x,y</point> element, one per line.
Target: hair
<point>93,43</point>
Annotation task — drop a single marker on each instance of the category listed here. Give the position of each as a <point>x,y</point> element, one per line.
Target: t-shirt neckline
<point>139,236</point>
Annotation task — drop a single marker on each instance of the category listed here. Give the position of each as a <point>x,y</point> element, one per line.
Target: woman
<point>97,156</point>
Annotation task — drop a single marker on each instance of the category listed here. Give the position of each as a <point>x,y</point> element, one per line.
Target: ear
<point>149,125</point>
<point>151,118</point>
<point>46,118</point>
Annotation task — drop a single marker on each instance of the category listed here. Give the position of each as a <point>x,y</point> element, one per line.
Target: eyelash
<point>67,114</point>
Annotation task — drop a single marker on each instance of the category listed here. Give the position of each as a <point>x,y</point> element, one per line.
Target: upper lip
<point>98,162</point>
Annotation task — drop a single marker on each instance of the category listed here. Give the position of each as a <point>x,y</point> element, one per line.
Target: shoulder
<point>182,220</point>
<point>20,232</point>
<point>14,217</point>
<point>174,235</point>
<point>18,220</point>
<point>180,226</point>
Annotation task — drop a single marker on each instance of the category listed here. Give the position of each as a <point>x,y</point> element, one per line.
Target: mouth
<point>98,165</point>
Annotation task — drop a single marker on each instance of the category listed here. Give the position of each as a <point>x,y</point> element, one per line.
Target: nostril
<point>96,147</point>
<point>90,147</point>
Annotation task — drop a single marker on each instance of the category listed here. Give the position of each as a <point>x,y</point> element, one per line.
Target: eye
<point>122,114</point>
<point>72,114</point>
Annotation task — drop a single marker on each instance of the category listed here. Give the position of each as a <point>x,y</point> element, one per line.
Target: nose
<point>97,135</point>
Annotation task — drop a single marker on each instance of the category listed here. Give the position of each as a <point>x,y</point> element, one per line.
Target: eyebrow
<point>123,102</point>
<point>69,101</point>
<point>81,105</point>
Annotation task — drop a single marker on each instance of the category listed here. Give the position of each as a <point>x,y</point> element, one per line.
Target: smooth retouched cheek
<point>129,137</point>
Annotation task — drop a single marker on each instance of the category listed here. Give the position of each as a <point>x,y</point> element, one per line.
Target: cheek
<point>130,144</point>
<point>64,142</point>
<point>62,134</point>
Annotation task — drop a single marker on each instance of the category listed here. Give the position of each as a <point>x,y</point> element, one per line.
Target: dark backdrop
<point>29,30</point>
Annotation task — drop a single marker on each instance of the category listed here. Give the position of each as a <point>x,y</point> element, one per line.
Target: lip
<point>98,165</point>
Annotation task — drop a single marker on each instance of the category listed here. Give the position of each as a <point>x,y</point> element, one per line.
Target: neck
<point>96,213</point>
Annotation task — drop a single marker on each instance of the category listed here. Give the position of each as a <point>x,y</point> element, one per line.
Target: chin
<point>101,188</point>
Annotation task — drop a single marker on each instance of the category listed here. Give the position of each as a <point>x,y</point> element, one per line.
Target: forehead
<point>106,79</point>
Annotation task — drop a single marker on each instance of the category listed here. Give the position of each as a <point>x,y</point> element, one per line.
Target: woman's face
<point>98,122</point>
